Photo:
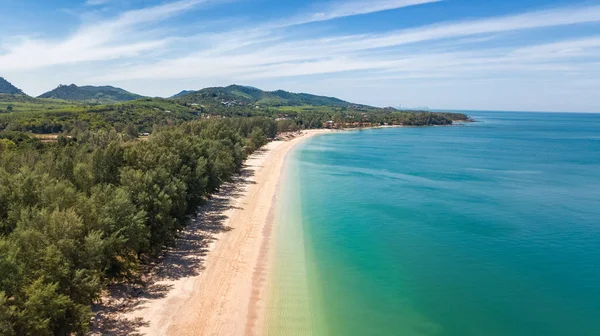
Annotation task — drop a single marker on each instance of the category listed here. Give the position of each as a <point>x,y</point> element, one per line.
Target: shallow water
<point>491,228</point>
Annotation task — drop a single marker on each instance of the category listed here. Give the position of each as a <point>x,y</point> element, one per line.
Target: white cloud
<point>96,2</point>
<point>230,57</point>
<point>351,8</point>
<point>531,20</point>
<point>562,49</point>
<point>95,41</point>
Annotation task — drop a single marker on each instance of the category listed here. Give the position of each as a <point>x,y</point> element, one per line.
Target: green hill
<point>7,88</point>
<point>182,93</point>
<point>237,95</point>
<point>17,98</point>
<point>91,94</point>
<point>42,115</point>
<point>69,109</point>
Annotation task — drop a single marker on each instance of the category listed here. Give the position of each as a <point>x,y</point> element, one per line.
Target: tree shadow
<point>184,259</point>
<point>110,325</point>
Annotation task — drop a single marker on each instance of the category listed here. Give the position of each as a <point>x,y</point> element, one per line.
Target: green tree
<point>77,214</point>
<point>256,140</point>
<point>43,308</point>
<point>6,145</point>
<point>130,132</point>
<point>6,316</point>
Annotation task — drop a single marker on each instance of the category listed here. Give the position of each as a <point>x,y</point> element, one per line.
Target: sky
<point>519,55</point>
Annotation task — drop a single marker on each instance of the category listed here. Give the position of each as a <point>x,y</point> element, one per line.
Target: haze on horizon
<point>535,55</point>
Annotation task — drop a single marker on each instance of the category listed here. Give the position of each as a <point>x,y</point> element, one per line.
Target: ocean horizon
<point>486,228</point>
<point>469,112</point>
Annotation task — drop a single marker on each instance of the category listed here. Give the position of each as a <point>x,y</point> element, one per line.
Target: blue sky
<point>534,55</point>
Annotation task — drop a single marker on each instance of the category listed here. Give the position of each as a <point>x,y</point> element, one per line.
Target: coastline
<point>227,294</point>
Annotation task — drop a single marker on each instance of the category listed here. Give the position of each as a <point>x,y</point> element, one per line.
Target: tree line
<point>45,116</point>
<point>89,209</point>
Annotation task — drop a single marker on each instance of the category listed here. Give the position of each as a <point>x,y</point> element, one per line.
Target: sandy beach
<point>212,282</point>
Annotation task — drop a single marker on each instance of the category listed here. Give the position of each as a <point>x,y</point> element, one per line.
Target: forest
<point>88,210</point>
<point>51,116</point>
<point>91,94</point>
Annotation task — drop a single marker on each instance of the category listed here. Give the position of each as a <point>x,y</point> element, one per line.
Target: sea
<point>490,228</point>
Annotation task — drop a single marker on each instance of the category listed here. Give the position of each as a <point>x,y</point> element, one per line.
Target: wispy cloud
<point>564,49</point>
<point>553,18</point>
<point>338,10</point>
<point>252,59</point>
<point>109,39</point>
<point>96,2</point>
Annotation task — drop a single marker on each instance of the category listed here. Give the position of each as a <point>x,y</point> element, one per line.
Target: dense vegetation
<point>291,110</point>
<point>237,95</point>
<point>86,210</point>
<point>43,116</point>
<point>7,88</point>
<point>92,202</point>
<point>303,111</point>
<point>91,94</point>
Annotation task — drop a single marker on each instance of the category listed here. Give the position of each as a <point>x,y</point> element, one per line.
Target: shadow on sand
<point>184,259</point>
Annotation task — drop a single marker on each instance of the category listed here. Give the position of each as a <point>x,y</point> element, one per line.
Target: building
<point>329,124</point>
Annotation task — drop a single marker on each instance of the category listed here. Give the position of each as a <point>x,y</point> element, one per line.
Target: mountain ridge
<point>182,93</point>
<point>229,96</point>
<point>246,95</point>
<point>105,94</point>
<point>7,87</point>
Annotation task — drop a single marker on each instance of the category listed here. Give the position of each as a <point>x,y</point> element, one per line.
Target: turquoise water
<point>491,228</point>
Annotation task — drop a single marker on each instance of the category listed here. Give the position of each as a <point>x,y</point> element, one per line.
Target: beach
<point>213,281</point>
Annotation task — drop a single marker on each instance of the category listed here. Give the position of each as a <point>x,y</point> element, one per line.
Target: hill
<point>237,95</point>
<point>7,88</point>
<point>43,116</point>
<point>91,94</point>
<point>17,98</point>
<point>182,93</point>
